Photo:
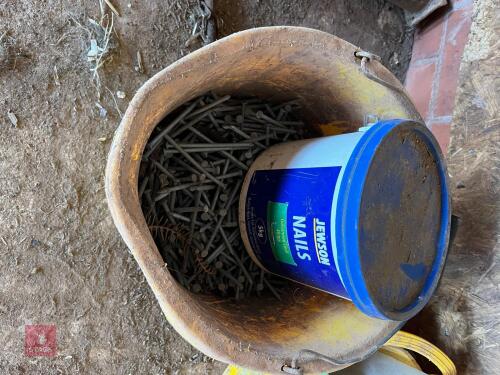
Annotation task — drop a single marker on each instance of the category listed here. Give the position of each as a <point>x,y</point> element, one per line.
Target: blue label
<point>288,220</point>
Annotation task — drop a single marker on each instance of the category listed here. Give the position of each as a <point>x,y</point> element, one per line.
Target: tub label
<point>288,220</point>
<point>276,229</point>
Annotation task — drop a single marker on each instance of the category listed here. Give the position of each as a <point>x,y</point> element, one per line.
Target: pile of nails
<point>189,184</point>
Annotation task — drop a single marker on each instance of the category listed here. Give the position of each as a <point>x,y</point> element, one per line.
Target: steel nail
<point>244,135</point>
<point>194,162</point>
<point>163,193</point>
<point>157,139</point>
<point>209,106</point>
<point>233,253</point>
<point>225,153</point>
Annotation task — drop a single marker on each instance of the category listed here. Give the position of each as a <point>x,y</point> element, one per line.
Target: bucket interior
<point>276,64</point>
<point>263,321</point>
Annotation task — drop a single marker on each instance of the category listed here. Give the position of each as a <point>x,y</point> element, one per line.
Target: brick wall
<point>432,76</point>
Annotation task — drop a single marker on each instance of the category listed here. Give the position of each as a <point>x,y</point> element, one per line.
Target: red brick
<point>456,37</point>
<point>428,39</point>
<point>441,131</point>
<point>419,86</point>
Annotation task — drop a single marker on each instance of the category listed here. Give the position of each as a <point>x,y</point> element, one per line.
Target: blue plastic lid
<point>393,220</point>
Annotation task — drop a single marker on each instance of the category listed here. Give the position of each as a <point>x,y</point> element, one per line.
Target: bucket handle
<point>401,339</point>
<point>310,355</point>
<point>366,57</point>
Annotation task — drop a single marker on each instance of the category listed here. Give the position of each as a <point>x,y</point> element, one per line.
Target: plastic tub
<point>364,215</point>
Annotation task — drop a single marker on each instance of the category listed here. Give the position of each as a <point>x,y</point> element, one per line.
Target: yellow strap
<point>417,344</point>
<point>400,355</point>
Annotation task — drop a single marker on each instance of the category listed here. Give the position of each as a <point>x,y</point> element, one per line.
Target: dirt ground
<point>374,25</point>
<point>62,261</point>
<point>463,317</point>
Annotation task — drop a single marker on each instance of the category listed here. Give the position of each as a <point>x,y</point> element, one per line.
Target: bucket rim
<point>160,95</point>
<point>347,222</point>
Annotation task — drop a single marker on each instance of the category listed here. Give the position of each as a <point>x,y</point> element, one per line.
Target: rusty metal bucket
<point>277,63</point>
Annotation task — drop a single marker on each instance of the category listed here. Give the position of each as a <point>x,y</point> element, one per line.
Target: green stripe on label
<point>278,236</point>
